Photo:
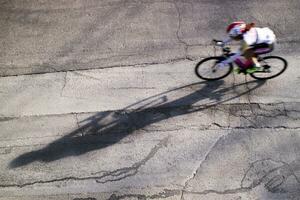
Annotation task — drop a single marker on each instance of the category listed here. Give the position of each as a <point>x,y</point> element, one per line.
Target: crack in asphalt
<point>4,119</point>
<point>87,76</point>
<point>122,173</point>
<point>76,8</point>
<point>199,167</point>
<point>168,61</point>
<point>180,40</point>
<point>166,193</point>
<point>271,183</point>
<point>169,193</point>
<point>134,88</point>
<point>159,130</point>
<point>64,84</point>
<point>107,176</point>
<point>216,126</point>
<point>161,195</point>
<point>229,191</point>
<point>248,94</point>
<point>273,173</point>
<point>77,122</point>
<point>220,107</point>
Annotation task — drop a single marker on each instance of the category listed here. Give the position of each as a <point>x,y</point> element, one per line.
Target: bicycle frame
<point>242,62</point>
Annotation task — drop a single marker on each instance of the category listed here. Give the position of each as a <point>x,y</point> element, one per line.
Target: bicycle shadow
<point>107,128</point>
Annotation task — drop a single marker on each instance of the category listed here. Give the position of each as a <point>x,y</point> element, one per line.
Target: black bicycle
<point>207,69</point>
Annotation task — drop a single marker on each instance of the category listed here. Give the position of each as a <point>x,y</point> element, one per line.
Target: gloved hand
<point>220,43</point>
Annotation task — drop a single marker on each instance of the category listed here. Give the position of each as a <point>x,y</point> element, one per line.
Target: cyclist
<point>254,41</point>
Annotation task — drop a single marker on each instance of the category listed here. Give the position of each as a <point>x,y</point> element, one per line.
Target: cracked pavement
<point>100,102</point>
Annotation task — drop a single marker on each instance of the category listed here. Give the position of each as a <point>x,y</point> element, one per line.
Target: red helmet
<point>236,28</point>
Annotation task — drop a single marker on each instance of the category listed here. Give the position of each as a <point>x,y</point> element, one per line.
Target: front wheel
<point>273,66</point>
<point>206,69</point>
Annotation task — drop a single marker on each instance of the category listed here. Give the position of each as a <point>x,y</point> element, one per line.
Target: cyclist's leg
<point>251,56</point>
<point>258,49</point>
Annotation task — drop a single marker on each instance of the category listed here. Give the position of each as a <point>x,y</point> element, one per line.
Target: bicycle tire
<point>227,70</point>
<point>284,67</point>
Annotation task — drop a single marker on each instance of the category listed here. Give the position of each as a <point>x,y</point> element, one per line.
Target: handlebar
<point>214,40</point>
<point>220,43</point>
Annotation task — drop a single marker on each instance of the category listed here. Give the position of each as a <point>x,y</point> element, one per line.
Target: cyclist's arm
<point>226,41</point>
<point>244,47</point>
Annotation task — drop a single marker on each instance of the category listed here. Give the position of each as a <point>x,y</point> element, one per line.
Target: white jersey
<point>259,35</point>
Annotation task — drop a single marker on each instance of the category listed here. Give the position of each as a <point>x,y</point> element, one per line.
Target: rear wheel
<point>206,69</point>
<point>273,66</point>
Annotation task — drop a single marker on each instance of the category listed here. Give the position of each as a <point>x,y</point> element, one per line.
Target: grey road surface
<point>99,101</point>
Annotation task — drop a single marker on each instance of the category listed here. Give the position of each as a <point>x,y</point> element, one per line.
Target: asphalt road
<point>99,100</point>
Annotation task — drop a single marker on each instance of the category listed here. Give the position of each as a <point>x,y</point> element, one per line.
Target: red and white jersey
<point>259,35</point>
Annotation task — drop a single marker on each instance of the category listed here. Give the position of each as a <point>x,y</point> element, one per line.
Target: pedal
<point>266,68</point>
<point>240,71</point>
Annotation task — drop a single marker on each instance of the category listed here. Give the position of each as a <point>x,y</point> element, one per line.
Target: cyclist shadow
<point>107,128</point>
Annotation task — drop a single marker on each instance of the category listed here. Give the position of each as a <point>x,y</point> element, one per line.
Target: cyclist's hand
<point>220,43</point>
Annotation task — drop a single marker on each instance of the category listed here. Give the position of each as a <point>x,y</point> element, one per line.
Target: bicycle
<point>272,66</point>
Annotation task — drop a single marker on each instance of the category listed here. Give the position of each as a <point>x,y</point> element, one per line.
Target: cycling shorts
<point>262,48</point>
